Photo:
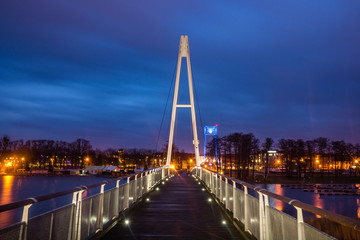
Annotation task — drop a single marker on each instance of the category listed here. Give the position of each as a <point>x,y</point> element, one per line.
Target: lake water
<point>347,205</point>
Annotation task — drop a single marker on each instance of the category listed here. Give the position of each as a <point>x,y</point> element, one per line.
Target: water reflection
<point>6,190</point>
<point>318,202</point>
<point>276,188</point>
<point>6,197</point>
<point>348,205</point>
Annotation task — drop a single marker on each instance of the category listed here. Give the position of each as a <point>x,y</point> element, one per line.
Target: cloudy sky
<point>101,70</point>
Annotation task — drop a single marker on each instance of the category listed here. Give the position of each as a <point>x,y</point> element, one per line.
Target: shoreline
<point>314,180</point>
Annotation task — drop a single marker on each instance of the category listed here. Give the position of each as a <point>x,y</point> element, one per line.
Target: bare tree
<point>4,144</point>
<point>267,145</point>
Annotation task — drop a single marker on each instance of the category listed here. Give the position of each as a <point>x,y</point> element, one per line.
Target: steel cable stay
<point>164,112</point>
<point>198,107</point>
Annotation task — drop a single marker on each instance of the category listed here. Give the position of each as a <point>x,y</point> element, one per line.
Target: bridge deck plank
<point>179,210</point>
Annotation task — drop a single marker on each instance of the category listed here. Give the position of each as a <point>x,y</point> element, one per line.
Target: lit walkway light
<point>210,200</point>
<point>224,222</point>
<point>127,222</point>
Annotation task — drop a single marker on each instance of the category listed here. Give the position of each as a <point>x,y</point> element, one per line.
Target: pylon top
<point>184,46</point>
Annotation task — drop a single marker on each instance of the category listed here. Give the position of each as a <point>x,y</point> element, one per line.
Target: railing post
<point>79,207</point>
<point>141,184</point>
<point>201,174</point>
<point>117,193</point>
<point>261,216</point>
<point>73,218</point>
<point>149,180</point>
<point>101,208</point>
<point>215,184</point>
<point>152,178</point>
<point>227,200</point>
<point>75,223</point>
<point>221,196</point>
<point>300,224</point>
<point>145,182</point>
<point>24,220</point>
<point>246,210</point>
<point>127,193</point>
<point>267,217</point>
<point>136,188</point>
<point>218,179</point>
<point>235,201</point>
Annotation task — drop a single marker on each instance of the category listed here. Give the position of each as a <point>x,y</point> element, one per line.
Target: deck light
<point>127,222</point>
<point>224,222</point>
<point>209,200</point>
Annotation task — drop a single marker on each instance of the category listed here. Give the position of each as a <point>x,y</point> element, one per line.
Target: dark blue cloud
<point>102,70</point>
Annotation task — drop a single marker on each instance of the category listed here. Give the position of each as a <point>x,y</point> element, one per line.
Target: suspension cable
<point>164,112</point>
<point>198,106</point>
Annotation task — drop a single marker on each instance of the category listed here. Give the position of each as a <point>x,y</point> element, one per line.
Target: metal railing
<point>82,217</point>
<point>265,222</point>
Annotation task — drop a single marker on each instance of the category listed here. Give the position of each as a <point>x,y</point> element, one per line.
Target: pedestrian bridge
<point>165,204</point>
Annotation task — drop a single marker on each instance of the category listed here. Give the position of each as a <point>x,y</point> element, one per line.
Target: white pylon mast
<point>184,51</point>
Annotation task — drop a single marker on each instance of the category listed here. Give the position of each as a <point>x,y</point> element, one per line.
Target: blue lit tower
<point>210,130</point>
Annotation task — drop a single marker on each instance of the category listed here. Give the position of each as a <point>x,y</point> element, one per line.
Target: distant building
<point>94,170</point>
<point>110,169</point>
<point>70,170</point>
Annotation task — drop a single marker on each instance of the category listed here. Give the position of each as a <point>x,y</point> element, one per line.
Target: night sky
<point>101,70</point>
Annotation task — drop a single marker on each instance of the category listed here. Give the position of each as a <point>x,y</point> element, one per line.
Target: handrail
<point>343,220</point>
<point>22,203</point>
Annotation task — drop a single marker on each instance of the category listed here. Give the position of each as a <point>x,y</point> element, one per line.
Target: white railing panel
<point>86,218</point>
<point>108,206</point>
<point>240,205</point>
<point>122,202</point>
<point>12,232</point>
<point>253,211</point>
<point>56,224</point>
<point>230,206</point>
<point>314,234</point>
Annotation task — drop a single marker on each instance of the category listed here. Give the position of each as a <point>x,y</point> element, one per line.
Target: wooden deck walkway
<point>178,210</point>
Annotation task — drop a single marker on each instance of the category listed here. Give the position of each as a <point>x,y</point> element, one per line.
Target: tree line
<point>50,153</point>
<point>239,151</point>
<point>242,152</point>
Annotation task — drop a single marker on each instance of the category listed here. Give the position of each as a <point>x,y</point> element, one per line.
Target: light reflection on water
<point>16,188</point>
<point>347,205</point>
<point>6,190</point>
<point>7,197</point>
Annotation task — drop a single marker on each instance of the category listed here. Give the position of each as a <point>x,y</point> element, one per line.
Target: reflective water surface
<point>341,204</point>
